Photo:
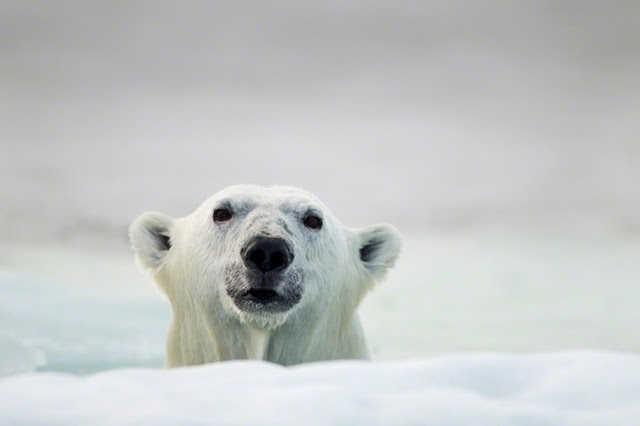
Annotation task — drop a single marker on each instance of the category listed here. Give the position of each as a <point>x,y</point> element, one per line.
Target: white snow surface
<point>570,388</point>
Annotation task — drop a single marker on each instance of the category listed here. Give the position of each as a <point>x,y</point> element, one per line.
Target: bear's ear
<point>150,236</point>
<point>379,248</point>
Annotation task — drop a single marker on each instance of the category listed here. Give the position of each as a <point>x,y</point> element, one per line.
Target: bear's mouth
<point>259,295</point>
<point>264,296</point>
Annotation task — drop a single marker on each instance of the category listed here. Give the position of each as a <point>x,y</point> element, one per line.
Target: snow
<point>570,388</point>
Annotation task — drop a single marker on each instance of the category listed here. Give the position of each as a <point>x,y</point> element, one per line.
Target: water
<point>86,311</point>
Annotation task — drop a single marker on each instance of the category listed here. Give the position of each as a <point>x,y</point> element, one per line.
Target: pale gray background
<point>426,114</point>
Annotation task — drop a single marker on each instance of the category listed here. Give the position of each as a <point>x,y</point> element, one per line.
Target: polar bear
<point>264,274</point>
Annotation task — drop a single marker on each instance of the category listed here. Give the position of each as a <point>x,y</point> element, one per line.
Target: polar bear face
<point>260,255</point>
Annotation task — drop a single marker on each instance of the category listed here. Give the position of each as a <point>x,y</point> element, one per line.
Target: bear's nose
<point>267,254</point>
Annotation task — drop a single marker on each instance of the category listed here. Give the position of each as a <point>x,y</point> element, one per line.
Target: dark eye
<point>313,222</point>
<point>222,215</point>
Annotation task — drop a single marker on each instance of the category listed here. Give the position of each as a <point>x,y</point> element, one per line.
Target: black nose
<point>267,254</point>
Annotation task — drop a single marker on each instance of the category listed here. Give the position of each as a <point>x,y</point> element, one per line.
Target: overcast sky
<point>425,114</point>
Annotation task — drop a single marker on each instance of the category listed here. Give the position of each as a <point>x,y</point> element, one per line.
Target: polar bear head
<point>260,255</point>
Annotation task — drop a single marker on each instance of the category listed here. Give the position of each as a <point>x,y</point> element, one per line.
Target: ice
<point>564,388</point>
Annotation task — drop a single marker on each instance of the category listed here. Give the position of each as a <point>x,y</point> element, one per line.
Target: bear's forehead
<point>254,195</point>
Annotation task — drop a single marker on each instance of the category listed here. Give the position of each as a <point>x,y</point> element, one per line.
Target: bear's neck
<point>200,334</point>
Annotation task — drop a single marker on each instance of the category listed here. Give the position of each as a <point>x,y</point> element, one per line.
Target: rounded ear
<point>379,248</point>
<point>150,236</point>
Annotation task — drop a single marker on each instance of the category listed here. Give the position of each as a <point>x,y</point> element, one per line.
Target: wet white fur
<point>208,327</point>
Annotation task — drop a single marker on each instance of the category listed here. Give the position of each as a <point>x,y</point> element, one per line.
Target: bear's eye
<point>313,222</point>
<point>222,215</point>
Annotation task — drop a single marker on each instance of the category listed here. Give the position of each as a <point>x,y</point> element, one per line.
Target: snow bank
<point>572,388</point>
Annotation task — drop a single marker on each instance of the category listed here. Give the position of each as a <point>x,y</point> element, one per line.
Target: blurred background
<point>502,138</point>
